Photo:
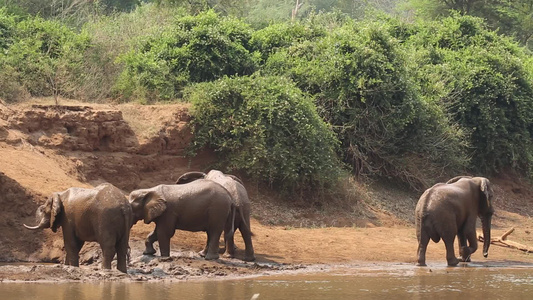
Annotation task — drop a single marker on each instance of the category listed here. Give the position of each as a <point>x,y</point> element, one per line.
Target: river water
<point>370,282</point>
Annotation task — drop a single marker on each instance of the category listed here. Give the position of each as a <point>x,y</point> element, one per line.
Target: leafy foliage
<point>513,18</point>
<point>281,35</point>
<point>410,101</point>
<point>40,57</point>
<point>485,85</point>
<point>266,127</point>
<point>358,77</point>
<point>195,49</point>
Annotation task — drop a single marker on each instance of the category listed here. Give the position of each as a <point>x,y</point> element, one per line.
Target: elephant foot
<point>210,256</point>
<point>467,259</point>
<point>228,255</point>
<point>249,258</point>
<point>465,253</point>
<point>453,262</point>
<point>148,251</point>
<point>421,264</point>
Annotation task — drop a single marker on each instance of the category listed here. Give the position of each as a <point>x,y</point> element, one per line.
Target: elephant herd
<point>212,202</point>
<point>218,203</point>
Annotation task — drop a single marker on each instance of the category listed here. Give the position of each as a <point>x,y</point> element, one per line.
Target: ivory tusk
<point>32,227</point>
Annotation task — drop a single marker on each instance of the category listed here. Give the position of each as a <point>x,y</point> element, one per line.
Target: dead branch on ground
<point>503,242</point>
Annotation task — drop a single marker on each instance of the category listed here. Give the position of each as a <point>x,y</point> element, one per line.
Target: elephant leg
<point>164,240</point>
<point>149,243</point>
<point>213,237</point>
<point>122,248</point>
<point>423,241</point>
<point>229,242</point>
<point>72,247</point>
<point>450,253</point>
<point>108,252</point>
<point>204,251</point>
<point>246,233</point>
<point>472,243</point>
<point>463,249</point>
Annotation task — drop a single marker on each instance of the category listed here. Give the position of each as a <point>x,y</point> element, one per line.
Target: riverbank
<point>45,149</point>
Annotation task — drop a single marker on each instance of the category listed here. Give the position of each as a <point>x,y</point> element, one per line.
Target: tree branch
<point>503,242</point>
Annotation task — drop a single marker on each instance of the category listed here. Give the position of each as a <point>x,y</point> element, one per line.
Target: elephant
<point>236,188</point>
<point>100,214</point>
<point>450,209</point>
<point>202,205</point>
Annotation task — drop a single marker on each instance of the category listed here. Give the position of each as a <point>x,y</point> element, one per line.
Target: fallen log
<point>503,242</point>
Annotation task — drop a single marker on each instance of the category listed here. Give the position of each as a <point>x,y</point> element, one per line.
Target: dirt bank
<point>45,149</point>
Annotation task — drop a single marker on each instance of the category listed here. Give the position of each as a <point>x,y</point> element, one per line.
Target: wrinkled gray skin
<point>100,214</point>
<point>238,193</point>
<point>200,206</point>
<point>450,209</point>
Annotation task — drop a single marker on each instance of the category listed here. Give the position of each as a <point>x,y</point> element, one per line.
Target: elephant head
<point>48,214</point>
<point>147,205</point>
<point>190,177</point>
<point>194,175</point>
<point>485,207</point>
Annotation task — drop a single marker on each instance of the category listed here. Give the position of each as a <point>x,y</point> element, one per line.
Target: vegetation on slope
<point>295,102</point>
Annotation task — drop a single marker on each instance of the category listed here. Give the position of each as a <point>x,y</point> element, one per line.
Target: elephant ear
<point>190,177</point>
<point>457,178</point>
<point>235,178</point>
<point>155,205</point>
<point>485,188</point>
<point>54,212</point>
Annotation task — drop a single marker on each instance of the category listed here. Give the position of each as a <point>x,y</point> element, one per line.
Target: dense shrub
<point>7,28</point>
<point>358,76</point>
<point>267,128</point>
<point>112,36</point>
<point>194,49</point>
<point>40,58</point>
<point>483,82</point>
<point>281,35</point>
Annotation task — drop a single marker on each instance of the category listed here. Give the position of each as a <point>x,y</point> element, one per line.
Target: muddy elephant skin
<point>202,205</point>
<point>239,195</point>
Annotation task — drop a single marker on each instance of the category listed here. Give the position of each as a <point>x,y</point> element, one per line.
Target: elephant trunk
<point>485,223</point>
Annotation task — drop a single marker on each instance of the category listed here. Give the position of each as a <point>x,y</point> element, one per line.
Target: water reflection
<point>398,283</point>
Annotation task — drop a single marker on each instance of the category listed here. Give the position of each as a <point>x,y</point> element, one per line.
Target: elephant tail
<point>243,220</point>
<point>231,218</point>
<point>430,229</point>
<point>425,219</point>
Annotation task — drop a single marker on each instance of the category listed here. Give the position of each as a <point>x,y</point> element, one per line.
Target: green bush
<point>112,36</point>
<point>7,28</point>
<point>359,78</point>
<point>482,81</point>
<point>194,49</point>
<point>281,35</point>
<point>40,58</point>
<point>266,127</point>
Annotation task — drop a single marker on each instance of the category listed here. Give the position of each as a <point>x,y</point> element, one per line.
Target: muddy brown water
<point>379,281</point>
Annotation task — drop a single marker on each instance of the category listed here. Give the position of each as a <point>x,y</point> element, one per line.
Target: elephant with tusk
<point>100,214</point>
<point>451,209</point>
